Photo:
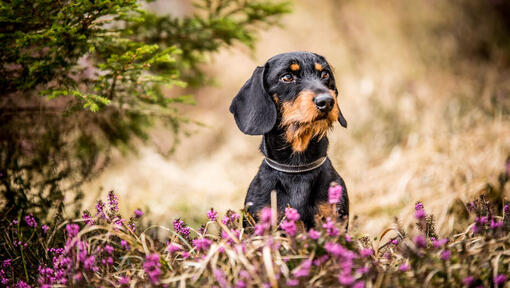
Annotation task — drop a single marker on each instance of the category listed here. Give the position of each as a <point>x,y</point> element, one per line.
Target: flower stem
<point>20,237</point>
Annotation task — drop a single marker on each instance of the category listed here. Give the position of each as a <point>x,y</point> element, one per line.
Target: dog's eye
<point>324,75</point>
<point>287,78</point>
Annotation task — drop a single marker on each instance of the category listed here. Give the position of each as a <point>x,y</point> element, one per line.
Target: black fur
<point>257,113</point>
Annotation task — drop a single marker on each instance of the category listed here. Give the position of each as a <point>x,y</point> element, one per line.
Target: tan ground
<point>418,126</point>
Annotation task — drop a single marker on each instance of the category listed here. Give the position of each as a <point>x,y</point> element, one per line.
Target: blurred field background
<point>423,85</point>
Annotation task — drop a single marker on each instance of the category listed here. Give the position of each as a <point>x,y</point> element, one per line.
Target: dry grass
<point>421,122</point>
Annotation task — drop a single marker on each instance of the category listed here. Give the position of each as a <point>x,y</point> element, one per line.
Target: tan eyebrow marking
<point>318,67</point>
<point>294,67</point>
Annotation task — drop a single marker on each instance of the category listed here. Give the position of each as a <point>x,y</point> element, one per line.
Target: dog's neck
<point>274,146</point>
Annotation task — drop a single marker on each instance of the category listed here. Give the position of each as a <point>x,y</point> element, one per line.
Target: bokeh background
<point>423,85</point>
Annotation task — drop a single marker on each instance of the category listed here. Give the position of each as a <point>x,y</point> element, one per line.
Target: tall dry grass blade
<point>274,210</point>
<point>268,264</point>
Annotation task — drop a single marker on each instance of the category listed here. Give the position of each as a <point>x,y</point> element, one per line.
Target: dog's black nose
<point>324,102</point>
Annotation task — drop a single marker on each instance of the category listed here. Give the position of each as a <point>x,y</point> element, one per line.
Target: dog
<point>292,101</point>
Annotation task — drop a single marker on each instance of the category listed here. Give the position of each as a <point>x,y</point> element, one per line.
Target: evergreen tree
<point>80,78</point>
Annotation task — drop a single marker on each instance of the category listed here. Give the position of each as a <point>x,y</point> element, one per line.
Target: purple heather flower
<point>108,249</point>
<point>220,277</point>
<point>482,220</point>
<point>404,267</point>
<point>394,241</point>
<point>225,235</point>
<point>124,244</point>
<point>330,227</point>
<point>303,270</point>
<point>359,284</point>
<point>90,263</point>
<point>446,254</point>
<point>418,206</point>
<point>496,224</point>
<point>366,252</point>
<point>470,206</point>
<point>30,220</point>
<point>506,209</point>
<point>234,217</point>
<point>420,241</point>
<point>261,228</point>
<point>100,209</point>
<point>124,280</point>
<point>231,217</point>
<point>439,243</point>
<point>275,245</point>
<point>151,266</point>
<point>22,284</point>
<point>173,248</point>
<point>266,215</point>
<point>320,260</point>
<point>78,276</point>
<point>202,244</point>
<point>45,228</point>
<point>240,284</point>
<point>212,215</point>
<point>181,228</point>
<point>476,229</point>
<point>113,202</point>
<point>87,218</point>
<point>363,270</point>
<point>72,229</point>
<point>500,279</point>
<point>244,274</point>
<point>420,214</point>
<point>348,238</point>
<point>335,249</point>
<point>6,263</point>
<point>289,227</point>
<point>335,193</point>
<point>109,261</point>
<point>291,214</point>
<point>345,279</point>
<point>292,282</point>
<point>468,280</point>
<point>138,213</point>
<point>314,234</point>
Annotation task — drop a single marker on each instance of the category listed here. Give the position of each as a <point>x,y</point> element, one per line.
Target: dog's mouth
<point>321,116</point>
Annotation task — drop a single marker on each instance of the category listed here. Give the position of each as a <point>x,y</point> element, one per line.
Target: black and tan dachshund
<point>292,101</point>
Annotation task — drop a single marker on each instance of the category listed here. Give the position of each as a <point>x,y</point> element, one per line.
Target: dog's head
<point>294,91</point>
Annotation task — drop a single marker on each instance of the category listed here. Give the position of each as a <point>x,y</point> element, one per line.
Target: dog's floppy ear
<point>253,109</point>
<point>341,118</point>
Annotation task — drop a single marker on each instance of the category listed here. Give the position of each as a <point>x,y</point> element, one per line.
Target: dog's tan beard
<point>299,135</point>
<point>301,123</point>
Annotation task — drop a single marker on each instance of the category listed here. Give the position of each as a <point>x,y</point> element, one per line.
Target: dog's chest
<point>296,191</point>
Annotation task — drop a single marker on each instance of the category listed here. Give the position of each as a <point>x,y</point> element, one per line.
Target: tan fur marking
<point>294,66</point>
<point>300,120</point>
<point>318,67</point>
<point>327,210</point>
<point>275,98</point>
